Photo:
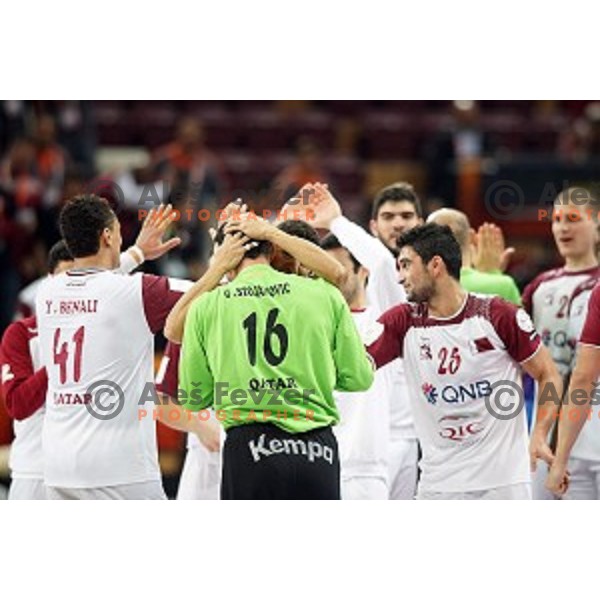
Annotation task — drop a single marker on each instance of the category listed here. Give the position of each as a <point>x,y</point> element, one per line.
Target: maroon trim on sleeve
<point>170,377</point>
<point>388,346</point>
<point>515,328</point>
<point>158,299</point>
<point>531,288</point>
<point>23,390</point>
<point>582,288</point>
<point>591,329</point>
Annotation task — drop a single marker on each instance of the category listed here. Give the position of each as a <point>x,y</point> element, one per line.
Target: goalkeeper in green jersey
<point>266,351</point>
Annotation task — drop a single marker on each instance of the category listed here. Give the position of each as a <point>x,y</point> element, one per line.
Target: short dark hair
<point>58,253</point>
<point>434,240</point>
<point>300,229</point>
<point>82,220</point>
<point>261,247</point>
<point>330,242</point>
<point>397,192</point>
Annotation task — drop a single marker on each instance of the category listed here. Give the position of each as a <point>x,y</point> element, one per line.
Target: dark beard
<point>422,295</point>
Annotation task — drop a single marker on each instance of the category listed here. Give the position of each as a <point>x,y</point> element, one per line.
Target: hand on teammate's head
<point>230,253</point>
<point>255,228</point>
<point>234,210</point>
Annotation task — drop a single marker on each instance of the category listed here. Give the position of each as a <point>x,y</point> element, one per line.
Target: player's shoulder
<point>506,316</point>
<point>21,330</point>
<point>595,292</point>
<point>405,313</point>
<point>585,288</point>
<point>545,277</point>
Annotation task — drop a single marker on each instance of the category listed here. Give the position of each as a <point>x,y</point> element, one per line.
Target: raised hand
<point>490,253</point>
<point>150,238</point>
<point>321,203</point>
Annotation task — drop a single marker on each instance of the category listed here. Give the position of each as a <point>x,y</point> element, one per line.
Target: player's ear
<point>363,273</point>
<point>106,237</point>
<point>373,227</point>
<point>436,264</point>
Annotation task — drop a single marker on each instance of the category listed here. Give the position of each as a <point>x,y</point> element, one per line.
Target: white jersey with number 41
<point>96,334</point>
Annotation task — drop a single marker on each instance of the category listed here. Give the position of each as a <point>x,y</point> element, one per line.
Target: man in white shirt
<point>462,352</point>
<point>396,209</point>
<point>363,430</point>
<point>96,336</point>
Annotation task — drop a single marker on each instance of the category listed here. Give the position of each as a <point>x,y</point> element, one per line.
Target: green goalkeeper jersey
<point>270,348</point>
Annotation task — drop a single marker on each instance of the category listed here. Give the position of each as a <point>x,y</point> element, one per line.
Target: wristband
<point>138,253</point>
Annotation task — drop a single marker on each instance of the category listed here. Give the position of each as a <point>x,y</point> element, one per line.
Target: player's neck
<point>359,302</point>
<point>448,300</point>
<point>580,263</point>
<point>97,261</point>
<point>251,262</point>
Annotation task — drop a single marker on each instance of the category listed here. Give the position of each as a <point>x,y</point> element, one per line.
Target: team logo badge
<point>425,350</point>
<point>524,321</point>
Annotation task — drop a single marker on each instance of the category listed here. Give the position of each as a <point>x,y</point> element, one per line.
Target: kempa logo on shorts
<point>312,450</point>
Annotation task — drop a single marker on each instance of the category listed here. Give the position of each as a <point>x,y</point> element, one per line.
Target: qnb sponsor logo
<point>312,450</point>
<point>457,428</point>
<point>559,339</point>
<point>456,394</point>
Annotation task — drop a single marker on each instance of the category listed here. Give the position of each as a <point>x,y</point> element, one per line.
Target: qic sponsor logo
<point>458,428</point>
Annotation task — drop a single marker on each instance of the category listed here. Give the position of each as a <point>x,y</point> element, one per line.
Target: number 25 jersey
<point>463,374</point>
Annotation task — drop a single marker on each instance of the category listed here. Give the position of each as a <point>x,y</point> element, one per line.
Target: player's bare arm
<point>582,386</point>
<point>172,415</point>
<point>305,252</point>
<point>225,259</point>
<point>542,368</point>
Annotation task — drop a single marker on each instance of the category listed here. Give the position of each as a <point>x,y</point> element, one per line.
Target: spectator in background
<point>9,275</point>
<point>77,133</point>
<point>196,181</point>
<point>306,168</point>
<point>50,160</point>
<point>581,141</point>
<point>462,140</point>
<point>12,122</point>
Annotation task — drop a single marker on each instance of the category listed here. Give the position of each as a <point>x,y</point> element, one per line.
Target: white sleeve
<point>383,287</point>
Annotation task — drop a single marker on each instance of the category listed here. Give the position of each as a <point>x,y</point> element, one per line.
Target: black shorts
<point>264,462</point>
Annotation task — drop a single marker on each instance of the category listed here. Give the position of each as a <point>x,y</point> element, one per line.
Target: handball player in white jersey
<point>548,296</point>
<point>463,355</point>
<point>396,208</point>
<point>584,460</point>
<point>24,382</point>
<point>575,472</point>
<point>96,334</point>
<point>363,430</point>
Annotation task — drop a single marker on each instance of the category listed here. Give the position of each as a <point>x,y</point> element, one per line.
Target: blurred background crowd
<point>202,154</point>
